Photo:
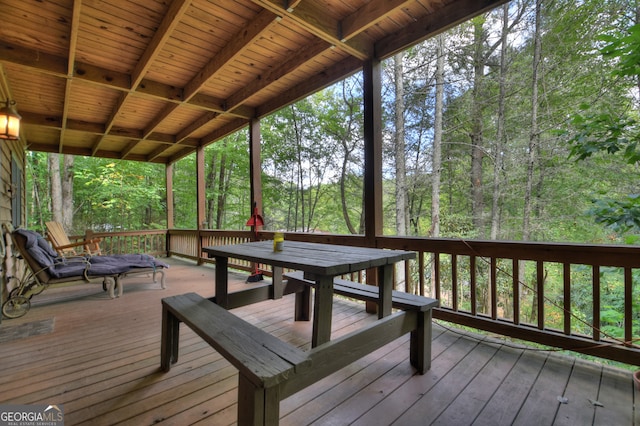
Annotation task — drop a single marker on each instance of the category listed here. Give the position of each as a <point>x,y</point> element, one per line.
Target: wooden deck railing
<point>580,297</point>
<point>153,242</point>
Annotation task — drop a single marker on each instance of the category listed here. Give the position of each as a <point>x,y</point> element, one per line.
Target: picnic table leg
<point>385,288</point>
<point>323,309</point>
<point>420,346</point>
<point>169,340</point>
<point>222,281</point>
<point>276,279</point>
<point>303,304</point>
<point>257,406</point>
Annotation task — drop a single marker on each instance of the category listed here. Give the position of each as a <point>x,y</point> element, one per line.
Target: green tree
<point>614,129</point>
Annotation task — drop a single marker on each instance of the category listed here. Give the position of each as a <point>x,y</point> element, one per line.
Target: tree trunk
<point>210,184</point>
<point>67,193</point>
<point>437,140</point>
<point>401,172</point>
<point>437,152</point>
<point>56,188</point>
<point>476,136</point>
<point>343,193</point>
<point>498,164</point>
<point>223,186</point>
<point>300,200</point>
<point>39,187</point>
<point>534,135</point>
<point>532,154</point>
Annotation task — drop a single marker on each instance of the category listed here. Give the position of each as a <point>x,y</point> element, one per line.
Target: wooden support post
<point>372,149</point>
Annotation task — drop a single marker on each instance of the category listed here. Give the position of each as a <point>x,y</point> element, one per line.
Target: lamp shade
<point>9,121</point>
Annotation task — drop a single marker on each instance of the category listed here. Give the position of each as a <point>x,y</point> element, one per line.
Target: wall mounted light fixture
<point>9,121</point>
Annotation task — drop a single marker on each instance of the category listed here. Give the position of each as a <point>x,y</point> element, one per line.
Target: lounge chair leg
<point>119,286</point>
<point>110,284</point>
<point>162,284</point>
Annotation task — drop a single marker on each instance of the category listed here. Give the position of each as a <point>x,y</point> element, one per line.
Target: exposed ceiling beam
<point>312,16</point>
<point>171,19</point>
<point>111,120</point>
<point>261,23</point>
<point>55,122</point>
<point>337,72</point>
<point>85,152</point>
<point>296,60</point>
<point>187,131</point>
<point>55,65</point>
<point>435,23</point>
<point>368,15</point>
<point>73,41</point>
<point>238,44</point>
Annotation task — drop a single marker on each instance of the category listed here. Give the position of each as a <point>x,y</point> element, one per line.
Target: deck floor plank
<point>470,402</point>
<point>453,351</point>
<point>430,405</point>
<point>581,392</point>
<point>351,402</point>
<point>615,397</point>
<point>101,361</point>
<point>506,401</point>
<point>542,400</point>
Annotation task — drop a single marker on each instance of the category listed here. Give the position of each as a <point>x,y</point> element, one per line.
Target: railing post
<point>199,246</point>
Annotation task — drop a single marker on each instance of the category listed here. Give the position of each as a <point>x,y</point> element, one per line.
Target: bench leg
<point>303,304</point>
<point>420,346</point>
<point>257,406</point>
<point>170,339</point>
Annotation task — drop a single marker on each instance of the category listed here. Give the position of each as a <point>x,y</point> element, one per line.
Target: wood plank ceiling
<point>151,80</point>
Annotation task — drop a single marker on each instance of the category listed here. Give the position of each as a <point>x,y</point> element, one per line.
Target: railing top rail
<point>573,253</point>
<point>587,254</point>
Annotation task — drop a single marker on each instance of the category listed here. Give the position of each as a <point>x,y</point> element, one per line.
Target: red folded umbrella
<point>254,221</point>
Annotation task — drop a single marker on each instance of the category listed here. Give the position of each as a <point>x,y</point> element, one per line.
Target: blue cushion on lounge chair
<point>44,257</point>
<point>61,267</point>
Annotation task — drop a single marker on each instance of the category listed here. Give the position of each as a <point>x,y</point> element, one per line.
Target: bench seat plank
<point>270,369</point>
<point>369,293</point>
<point>261,357</point>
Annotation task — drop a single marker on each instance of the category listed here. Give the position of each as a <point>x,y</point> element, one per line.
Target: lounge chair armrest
<point>64,261</point>
<point>78,244</point>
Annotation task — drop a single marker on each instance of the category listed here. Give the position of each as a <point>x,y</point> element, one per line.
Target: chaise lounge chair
<point>45,267</point>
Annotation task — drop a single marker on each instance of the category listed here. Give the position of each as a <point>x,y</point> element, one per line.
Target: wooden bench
<point>270,369</point>
<point>264,362</point>
<point>420,338</point>
<point>368,293</point>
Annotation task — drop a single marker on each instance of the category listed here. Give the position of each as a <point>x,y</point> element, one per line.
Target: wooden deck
<point>100,358</point>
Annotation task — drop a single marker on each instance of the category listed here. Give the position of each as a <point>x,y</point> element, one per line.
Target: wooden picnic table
<point>319,262</point>
<point>271,370</point>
